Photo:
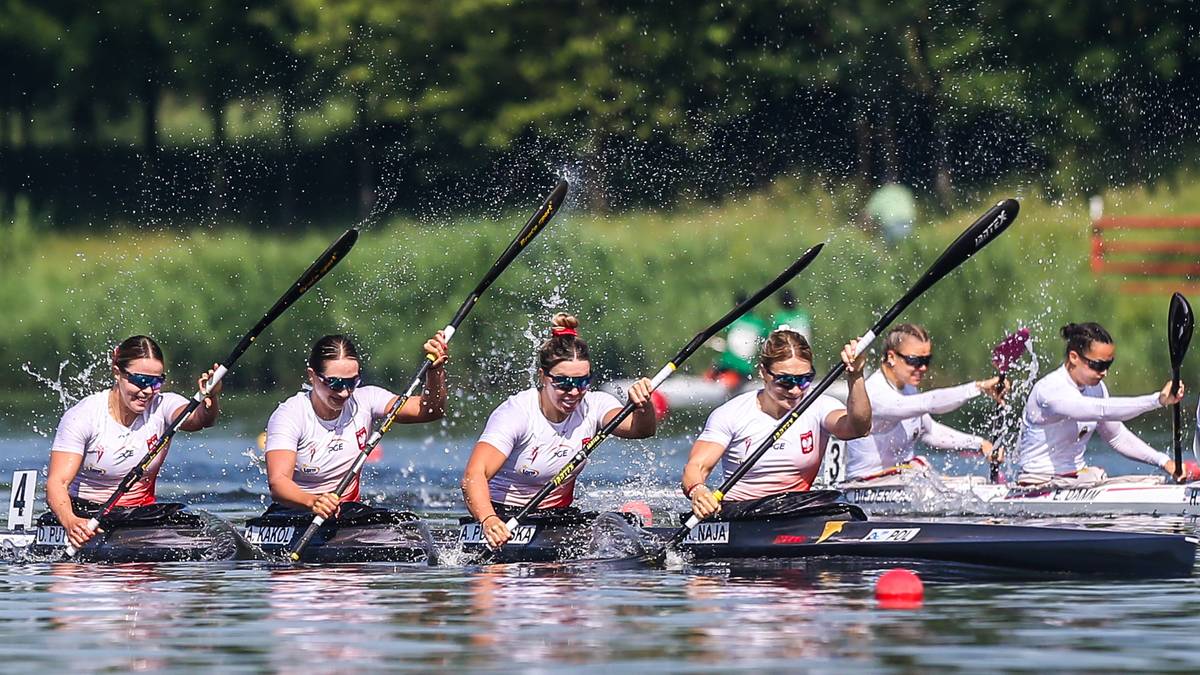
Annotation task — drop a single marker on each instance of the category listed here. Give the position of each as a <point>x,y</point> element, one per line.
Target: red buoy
<point>899,589</point>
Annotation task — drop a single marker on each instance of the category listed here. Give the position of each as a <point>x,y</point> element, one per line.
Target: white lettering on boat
<point>888,534</point>
<point>878,496</point>
<point>51,535</point>
<point>709,533</point>
<point>277,536</point>
<point>472,533</point>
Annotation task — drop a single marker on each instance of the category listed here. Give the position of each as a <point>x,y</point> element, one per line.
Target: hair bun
<point>564,324</point>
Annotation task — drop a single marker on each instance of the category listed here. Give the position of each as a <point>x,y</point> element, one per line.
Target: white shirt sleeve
<point>74,431</point>
<point>599,404</point>
<point>938,435</point>
<point>895,406</point>
<point>1127,443</point>
<point>1110,409</point>
<point>283,429</point>
<point>376,399</point>
<point>168,404</point>
<point>506,426</point>
<point>717,429</point>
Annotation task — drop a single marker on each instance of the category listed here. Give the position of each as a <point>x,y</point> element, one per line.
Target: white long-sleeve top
<point>1060,417</point>
<point>901,417</point>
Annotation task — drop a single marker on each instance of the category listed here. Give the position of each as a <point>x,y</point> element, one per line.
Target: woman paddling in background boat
<point>738,427</point>
<point>901,415</point>
<point>103,436</point>
<point>1067,406</point>
<point>533,434</point>
<point>314,437</point>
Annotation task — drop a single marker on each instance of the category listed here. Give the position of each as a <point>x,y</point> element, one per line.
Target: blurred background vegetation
<point>168,167</point>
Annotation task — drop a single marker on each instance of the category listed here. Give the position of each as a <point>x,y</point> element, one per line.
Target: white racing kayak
<point>924,491</point>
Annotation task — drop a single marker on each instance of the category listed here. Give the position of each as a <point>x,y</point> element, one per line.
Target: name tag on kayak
<point>900,534</point>
<point>51,535</point>
<point>280,535</point>
<point>472,533</point>
<point>708,533</point>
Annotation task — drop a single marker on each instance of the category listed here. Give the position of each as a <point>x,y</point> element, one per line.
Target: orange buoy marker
<point>640,509</point>
<point>899,589</point>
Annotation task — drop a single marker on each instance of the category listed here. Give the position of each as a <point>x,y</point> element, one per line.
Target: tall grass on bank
<point>641,284</point>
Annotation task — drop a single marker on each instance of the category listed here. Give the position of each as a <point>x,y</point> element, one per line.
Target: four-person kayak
<point>804,525</point>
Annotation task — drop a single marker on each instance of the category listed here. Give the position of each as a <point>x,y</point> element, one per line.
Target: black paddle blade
<point>1180,322</point>
<point>981,233</point>
<point>537,222</point>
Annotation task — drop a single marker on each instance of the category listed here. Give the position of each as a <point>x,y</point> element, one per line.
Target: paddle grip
<point>92,524</point>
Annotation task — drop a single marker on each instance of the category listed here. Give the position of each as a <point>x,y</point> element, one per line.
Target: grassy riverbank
<point>642,285</point>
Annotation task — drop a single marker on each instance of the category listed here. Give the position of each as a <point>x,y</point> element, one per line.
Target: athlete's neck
<point>548,410</point>
<point>322,410</point>
<point>770,406</point>
<point>117,409</point>
<point>890,375</point>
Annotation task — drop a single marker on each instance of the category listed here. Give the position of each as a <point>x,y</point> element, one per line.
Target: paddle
<point>979,234</point>
<point>1179,335</point>
<point>332,256</point>
<point>1004,355</point>
<point>700,338</point>
<point>536,224</point>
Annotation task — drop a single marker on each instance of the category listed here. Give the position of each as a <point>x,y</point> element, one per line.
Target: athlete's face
<point>561,390</point>
<point>1090,367</point>
<point>781,380</point>
<point>340,373</point>
<point>910,362</point>
<point>130,395</point>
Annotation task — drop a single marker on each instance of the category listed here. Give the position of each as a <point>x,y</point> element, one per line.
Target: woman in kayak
<point>104,436</point>
<point>533,434</point>
<point>1070,404</point>
<point>739,426</point>
<point>901,415</point>
<point>314,437</point>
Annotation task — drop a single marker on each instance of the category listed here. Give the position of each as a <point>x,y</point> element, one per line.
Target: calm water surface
<point>810,615</point>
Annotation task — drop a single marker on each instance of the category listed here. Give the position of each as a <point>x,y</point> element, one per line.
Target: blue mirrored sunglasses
<point>142,381</point>
<point>788,380</point>
<point>568,382</point>
<point>341,383</point>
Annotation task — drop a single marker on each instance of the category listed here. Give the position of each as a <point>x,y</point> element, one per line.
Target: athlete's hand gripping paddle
<point>979,234</point>
<point>332,256</point>
<point>697,341</point>
<point>536,224</point>
<point>1180,322</point>
<point>1004,355</point>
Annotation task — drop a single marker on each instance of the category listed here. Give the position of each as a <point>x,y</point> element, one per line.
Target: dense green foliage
<point>273,111</point>
<point>642,285</point>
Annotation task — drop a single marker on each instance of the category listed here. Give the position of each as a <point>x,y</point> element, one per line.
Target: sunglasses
<point>787,380</point>
<point>142,381</point>
<point>341,383</point>
<point>916,361</point>
<point>567,382</point>
<point>1098,366</point>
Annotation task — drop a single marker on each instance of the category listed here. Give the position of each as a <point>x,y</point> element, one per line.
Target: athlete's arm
<point>1127,443</point>
<point>897,406</point>
<point>205,415</point>
<point>642,423</point>
<point>939,435</point>
<point>484,464</point>
<point>853,421</point>
<point>1110,409</point>
<point>431,404</point>
<point>281,465</point>
<point>701,461</point>
<point>63,468</point>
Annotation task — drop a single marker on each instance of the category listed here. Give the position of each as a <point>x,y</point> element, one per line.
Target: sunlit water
<point>807,615</point>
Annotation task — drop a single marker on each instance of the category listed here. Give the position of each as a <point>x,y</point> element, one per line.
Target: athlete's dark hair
<point>564,343</point>
<point>134,348</point>
<point>1080,336</point>
<point>897,334</point>
<point>331,348</point>
<point>784,344</point>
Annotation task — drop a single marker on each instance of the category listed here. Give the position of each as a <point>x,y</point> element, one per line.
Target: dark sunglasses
<point>787,380</point>
<point>567,382</point>
<point>916,361</point>
<point>1098,366</point>
<point>341,383</point>
<point>141,381</point>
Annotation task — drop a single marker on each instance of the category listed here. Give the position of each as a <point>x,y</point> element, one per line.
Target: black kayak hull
<point>179,536</point>
<point>361,534</point>
<point>1042,549</point>
<point>548,537</point>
